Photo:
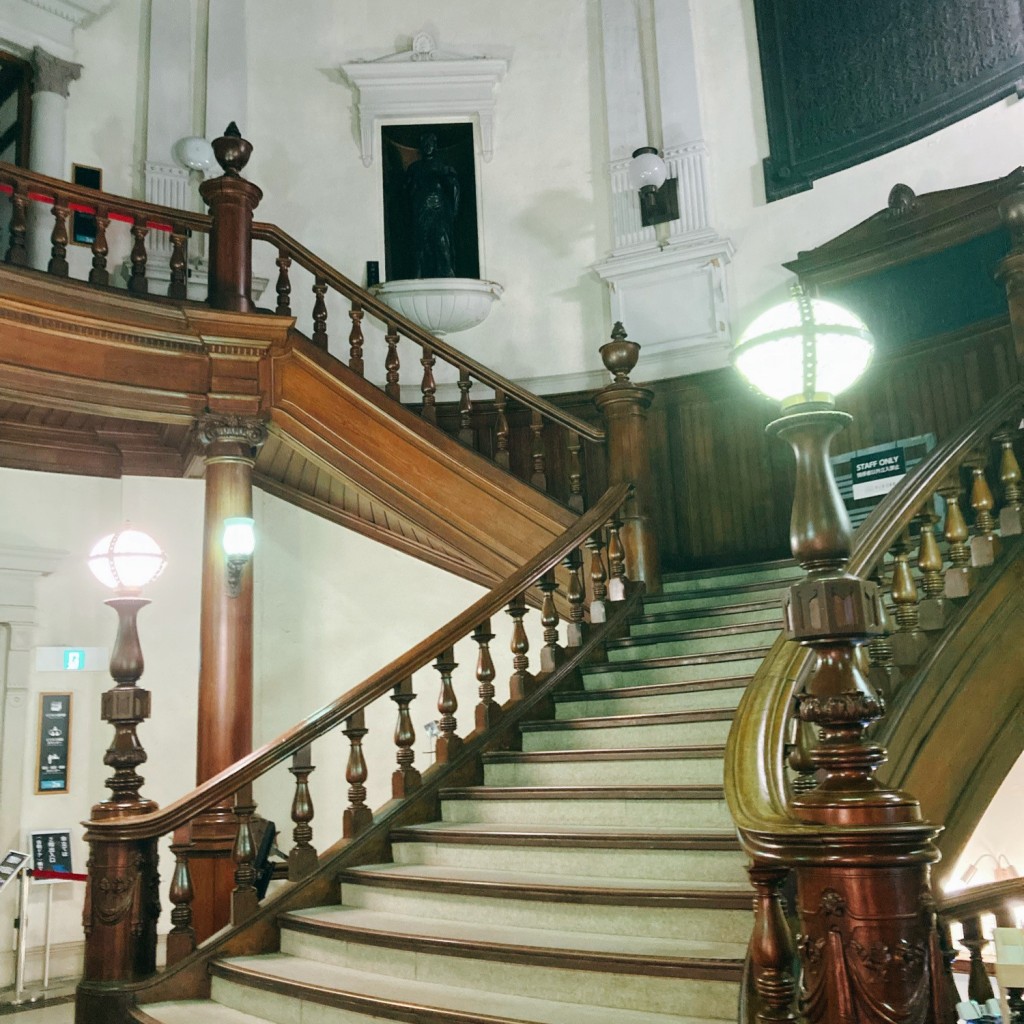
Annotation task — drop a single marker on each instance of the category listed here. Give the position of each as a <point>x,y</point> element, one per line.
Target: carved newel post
<point>232,201</point>
<point>122,902</point>
<point>624,407</point>
<point>868,938</point>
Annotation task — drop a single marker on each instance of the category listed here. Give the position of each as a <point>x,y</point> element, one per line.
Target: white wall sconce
<point>659,196</point>
<point>239,542</point>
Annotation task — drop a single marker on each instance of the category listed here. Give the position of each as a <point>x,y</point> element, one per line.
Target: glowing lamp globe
<point>804,351</point>
<point>127,561</point>
<point>239,538</point>
<point>647,171</point>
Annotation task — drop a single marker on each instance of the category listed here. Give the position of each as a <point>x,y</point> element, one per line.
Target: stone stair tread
<point>780,565</point>
<point>699,791</point>
<point>333,985</point>
<point>567,835</point>
<point>663,953</point>
<point>641,718</point>
<point>678,661</point>
<point>707,613</point>
<point>573,888</point>
<point>690,752</point>
<point>193,1011</point>
<point>653,689</point>
<point>737,629</point>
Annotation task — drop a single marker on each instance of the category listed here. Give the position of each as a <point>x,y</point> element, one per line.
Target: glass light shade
<point>804,350</point>
<point>239,538</point>
<point>196,153</point>
<point>647,169</point>
<point>126,561</point>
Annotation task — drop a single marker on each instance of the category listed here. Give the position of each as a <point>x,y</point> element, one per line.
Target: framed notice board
<point>54,743</point>
<point>51,850</point>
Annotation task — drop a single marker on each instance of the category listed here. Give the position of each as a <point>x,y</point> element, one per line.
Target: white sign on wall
<point>72,659</point>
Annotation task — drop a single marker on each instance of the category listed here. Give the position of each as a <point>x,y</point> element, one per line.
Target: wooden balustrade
<point>138,823</point>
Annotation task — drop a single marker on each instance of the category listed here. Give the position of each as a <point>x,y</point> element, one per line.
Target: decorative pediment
<point>425,84</point>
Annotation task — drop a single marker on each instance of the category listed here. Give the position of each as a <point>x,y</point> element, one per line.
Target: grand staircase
<point>594,877</point>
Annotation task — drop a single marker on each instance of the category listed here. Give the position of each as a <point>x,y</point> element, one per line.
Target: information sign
<point>51,850</point>
<point>54,743</point>
<point>877,474</point>
<point>9,866</point>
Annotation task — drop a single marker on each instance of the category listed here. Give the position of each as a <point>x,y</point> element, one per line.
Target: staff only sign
<point>878,473</point>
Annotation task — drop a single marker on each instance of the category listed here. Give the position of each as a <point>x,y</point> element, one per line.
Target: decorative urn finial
<point>620,354</point>
<point>232,151</point>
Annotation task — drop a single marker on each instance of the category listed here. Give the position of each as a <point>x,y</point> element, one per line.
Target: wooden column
<point>231,200</point>
<point>624,407</point>
<point>225,661</point>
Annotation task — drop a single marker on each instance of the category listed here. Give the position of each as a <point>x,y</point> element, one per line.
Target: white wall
<point>331,608</point>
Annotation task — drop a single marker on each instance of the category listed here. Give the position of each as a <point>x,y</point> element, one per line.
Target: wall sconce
<point>1002,872</point>
<point>239,542</point>
<point>659,196</point>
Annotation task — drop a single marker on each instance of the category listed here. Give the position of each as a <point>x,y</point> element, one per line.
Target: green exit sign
<point>74,659</point>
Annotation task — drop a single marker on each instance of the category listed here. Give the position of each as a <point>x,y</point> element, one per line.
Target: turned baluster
<point>598,579</point>
<point>465,434</point>
<point>934,609</point>
<point>58,264</point>
<point>137,283</point>
<point>405,779</point>
<point>551,654</point>
<point>616,560</point>
<point>501,450</point>
<point>538,458</point>
<point>181,939</point>
<point>959,575</point>
<point>908,642</point>
<point>575,446</point>
<point>985,541</point>
<point>392,365</point>
<point>428,387</point>
<point>355,339</point>
<point>448,743</point>
<point>521,684</point>
<point>772,952</point>
<point>979,988</point>
<point>357,815</point>
<point>1011,515</point>
<point>99,275</point>
<point>178,286</point>
<point>17,251</point>
<point>284,284</point>
<point>302,859</point>
<point>320,314</point>
<point>576,629</point>
<point>488,711</point>
<point>244,900</point>
<point>883,673</point>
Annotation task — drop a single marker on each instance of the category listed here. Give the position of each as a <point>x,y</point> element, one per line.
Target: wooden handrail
<point>245,771</point>
<point>755,779</point>
<point>981,899</point>
<point>309,261</point>
<point>81,199</point>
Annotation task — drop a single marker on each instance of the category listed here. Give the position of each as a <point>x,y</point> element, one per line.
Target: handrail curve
<point>265,232</point>
<point>755,782</point>
<point>246,770</point>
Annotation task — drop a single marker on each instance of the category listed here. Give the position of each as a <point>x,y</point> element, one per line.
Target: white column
<point>51,78</point>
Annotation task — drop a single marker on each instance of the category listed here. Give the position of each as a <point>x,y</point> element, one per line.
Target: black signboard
<point>51,850</point>
<point>54,742</point>
<point>9,866</point>
<point>878,473</point>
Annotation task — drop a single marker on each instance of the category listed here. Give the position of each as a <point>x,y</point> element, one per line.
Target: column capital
<point>52,74</point>
<point>246,432</point>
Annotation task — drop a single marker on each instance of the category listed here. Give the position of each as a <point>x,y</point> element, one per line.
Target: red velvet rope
<point>59,876</point>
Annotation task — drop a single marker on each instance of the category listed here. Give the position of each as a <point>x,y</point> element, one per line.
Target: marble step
<point>691,668</point>
<point>192,1011</point>
<point>628,972</point>
<point>717,911</point>
<point>329,994</point>
<point>594,767</point>
<point>617,807</point>
<point>709,600</point>
<point>731,576</point>
<point>701,641</point>
<point>750,613</point>
<point>677,728</point>
<point>682,856</point>
<point>642,699</point>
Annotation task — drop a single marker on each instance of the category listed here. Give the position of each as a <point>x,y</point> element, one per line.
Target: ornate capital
<point>52,74</point>
<point>247,431</point>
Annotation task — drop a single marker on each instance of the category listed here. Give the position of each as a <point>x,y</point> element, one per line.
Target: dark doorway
<point>400,147</point>
<point>15,108</point>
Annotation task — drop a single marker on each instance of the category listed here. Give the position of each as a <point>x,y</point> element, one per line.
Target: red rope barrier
<point>59,876</point>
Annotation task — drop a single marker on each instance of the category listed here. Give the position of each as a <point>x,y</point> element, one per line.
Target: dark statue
<point>432,187</point>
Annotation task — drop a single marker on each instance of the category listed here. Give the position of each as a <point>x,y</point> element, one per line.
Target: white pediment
<point>424,84</point>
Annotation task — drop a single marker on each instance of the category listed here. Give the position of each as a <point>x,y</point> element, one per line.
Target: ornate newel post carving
<point>864,897</point>
<point>225,658</point>
<point>232,201</point>
<point>624,407</point>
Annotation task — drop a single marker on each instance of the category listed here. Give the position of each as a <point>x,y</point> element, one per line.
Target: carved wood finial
<point>902,200</point>
<point>232,151</point>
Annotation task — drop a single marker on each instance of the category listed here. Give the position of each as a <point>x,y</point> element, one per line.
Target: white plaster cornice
<point>47,23</point>
<point>425,84</point>
<point>41,561</point>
